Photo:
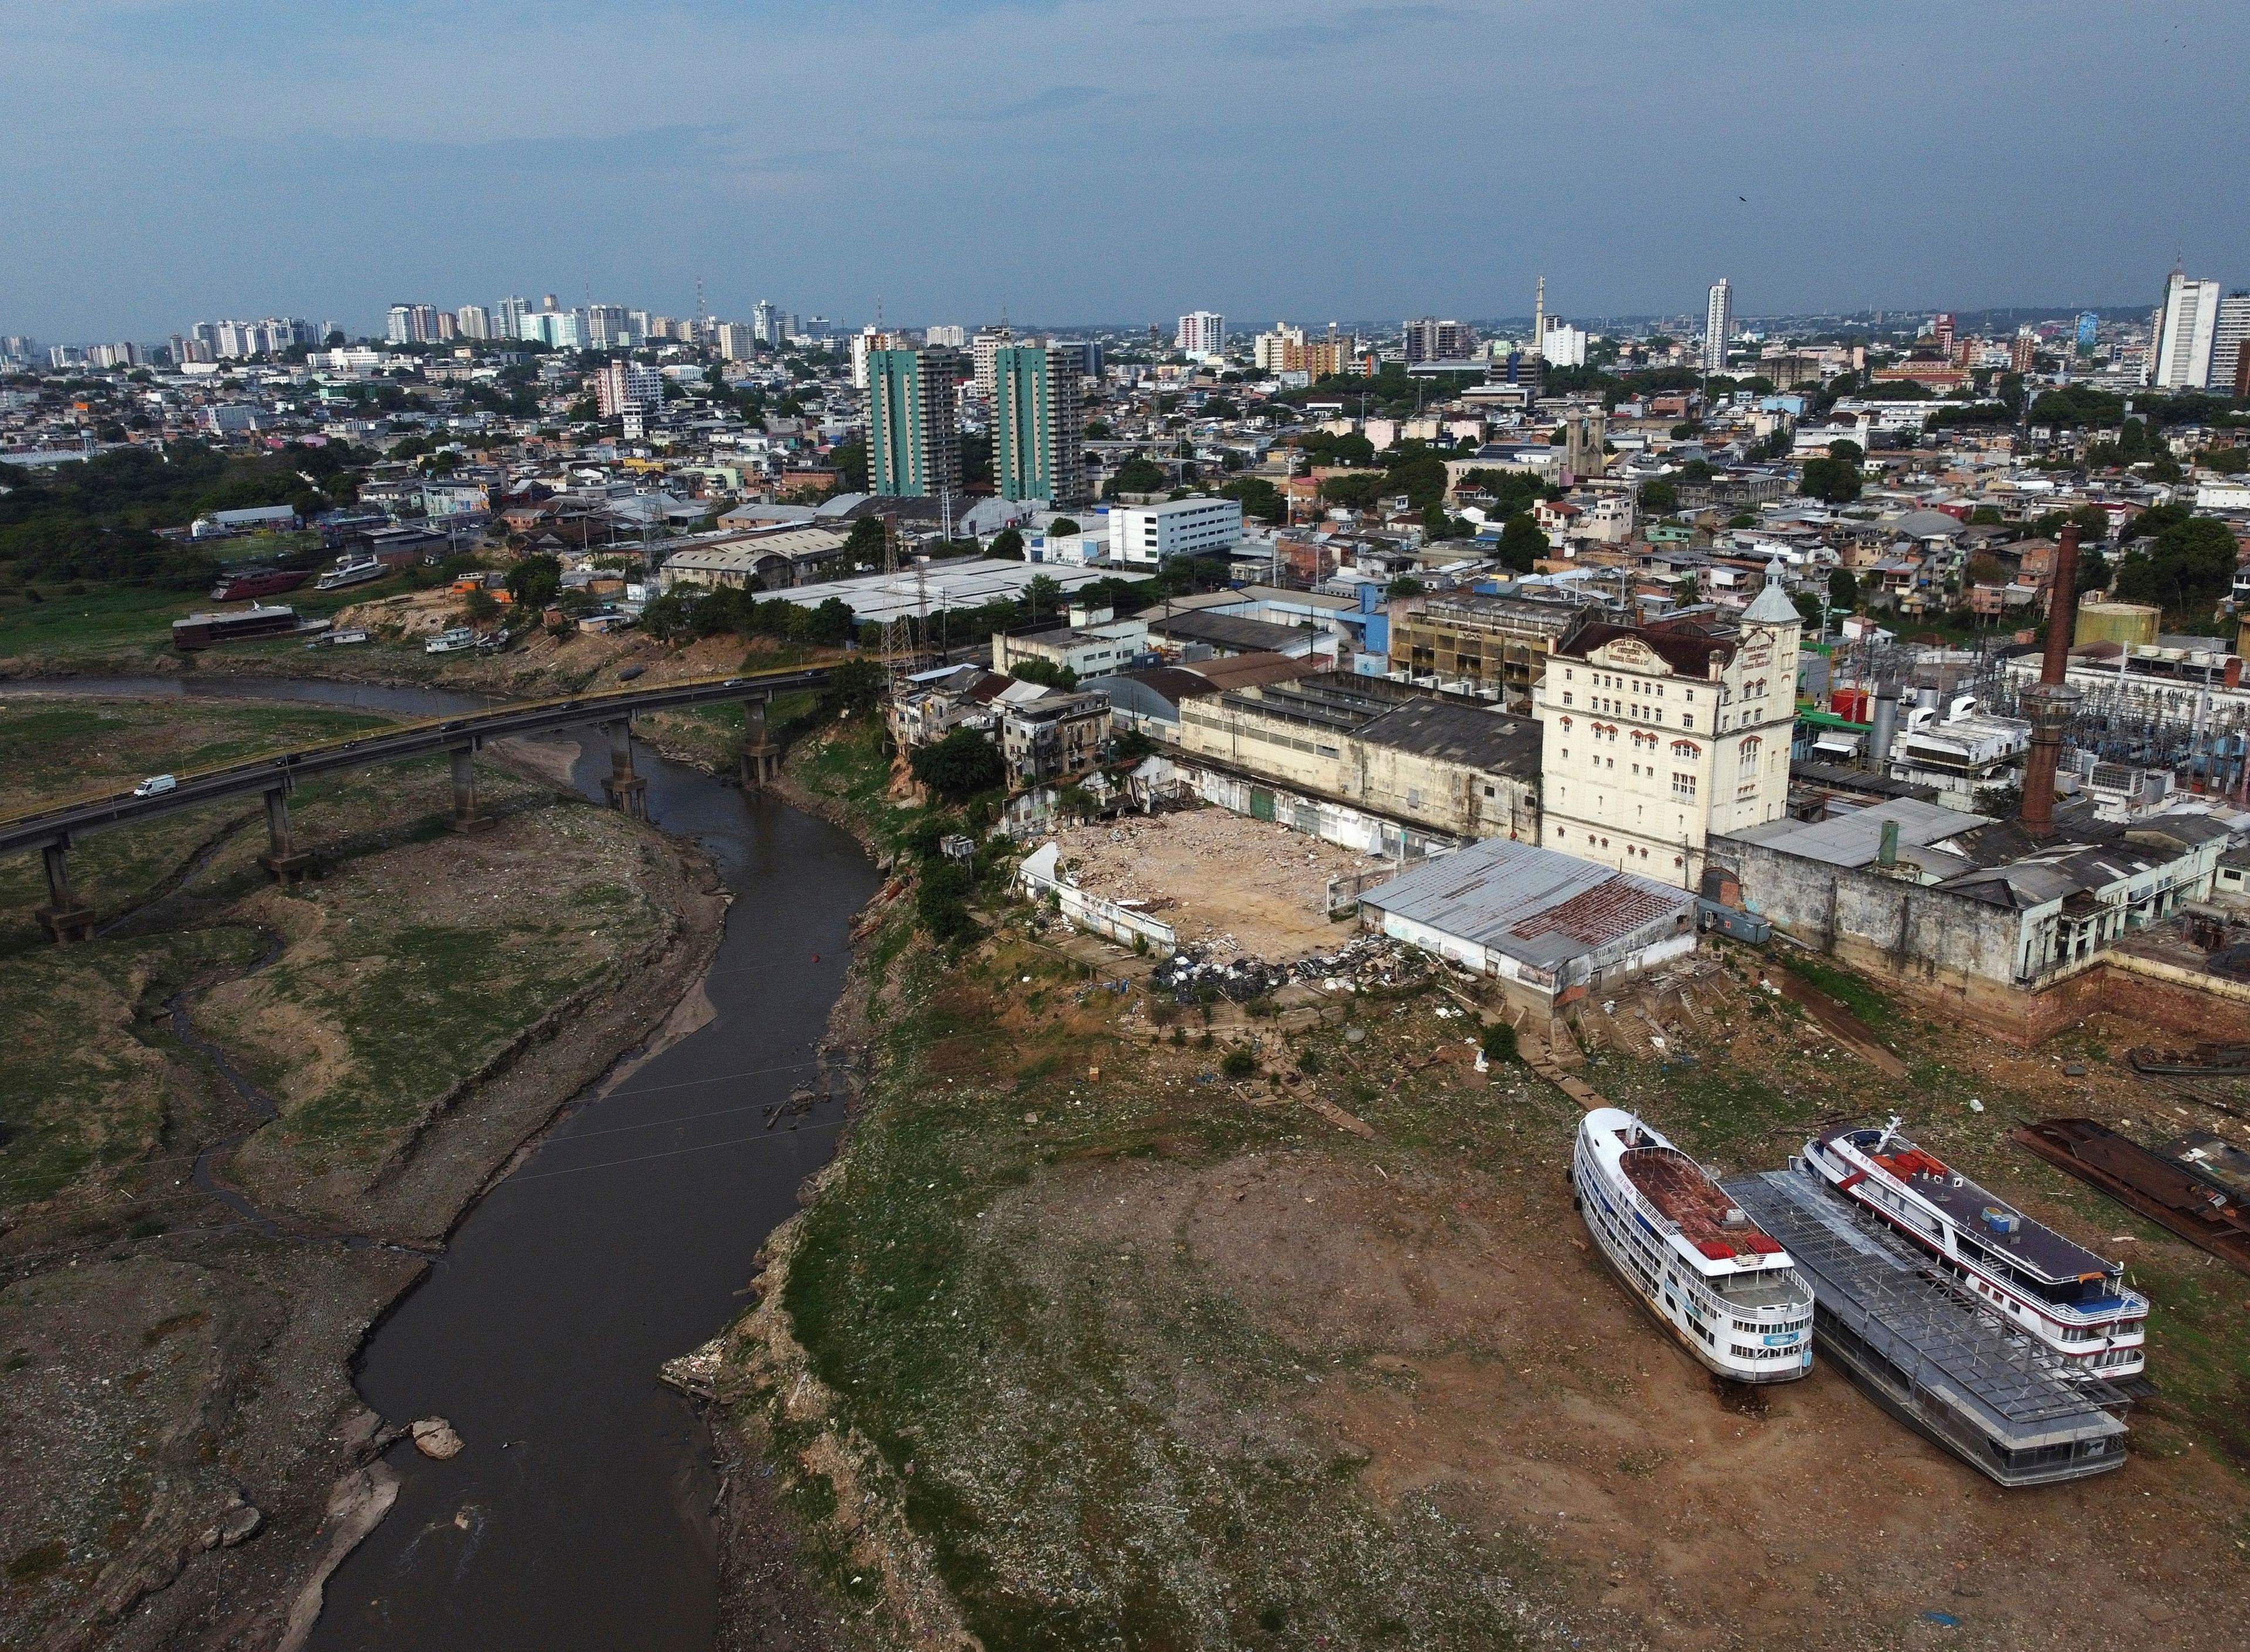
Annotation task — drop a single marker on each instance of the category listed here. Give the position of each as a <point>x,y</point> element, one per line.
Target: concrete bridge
<point>52,829</point>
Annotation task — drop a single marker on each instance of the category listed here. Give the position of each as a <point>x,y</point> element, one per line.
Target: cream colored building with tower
<point>1655,737</point>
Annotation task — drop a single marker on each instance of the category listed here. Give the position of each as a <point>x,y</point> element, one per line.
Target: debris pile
<point>1372,961</point>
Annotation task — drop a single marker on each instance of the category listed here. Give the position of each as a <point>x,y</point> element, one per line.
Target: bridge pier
<point>624,788</point>
<point>282,858</point>
<point>466,818</point>
<point>65,917</point>
<point>760,757</point>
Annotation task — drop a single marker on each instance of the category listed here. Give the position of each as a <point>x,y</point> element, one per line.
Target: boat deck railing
<point>1921,1321</point>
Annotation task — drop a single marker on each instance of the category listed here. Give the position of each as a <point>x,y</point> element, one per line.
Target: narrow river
<point>578,1517</point>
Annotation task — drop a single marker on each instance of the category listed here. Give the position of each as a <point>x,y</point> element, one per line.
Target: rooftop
<point>1537,905</point>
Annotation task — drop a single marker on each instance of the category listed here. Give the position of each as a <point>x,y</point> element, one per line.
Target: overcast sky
<point>170,160</point>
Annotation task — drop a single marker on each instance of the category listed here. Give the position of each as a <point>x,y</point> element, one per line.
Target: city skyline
<point>304,175</point>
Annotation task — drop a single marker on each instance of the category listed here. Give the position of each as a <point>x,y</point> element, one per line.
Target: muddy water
<point>578,1517</point>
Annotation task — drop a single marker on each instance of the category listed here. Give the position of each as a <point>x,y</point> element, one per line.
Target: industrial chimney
<point>2051,703</point>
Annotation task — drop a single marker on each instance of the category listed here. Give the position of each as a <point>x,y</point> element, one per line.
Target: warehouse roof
<point>1537,905</point>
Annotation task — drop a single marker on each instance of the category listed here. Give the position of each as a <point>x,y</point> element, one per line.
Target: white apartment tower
<point>1718,325</point>
<point>1655,737</point>
<point>2227,340</point>
<point>2187,330</point>
<point>473,321</point>
<point>1202,332</point>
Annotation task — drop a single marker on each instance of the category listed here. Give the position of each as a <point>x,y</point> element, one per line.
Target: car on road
<point>155,785</point>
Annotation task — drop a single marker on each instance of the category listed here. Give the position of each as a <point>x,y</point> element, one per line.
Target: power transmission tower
<point>898,624</point>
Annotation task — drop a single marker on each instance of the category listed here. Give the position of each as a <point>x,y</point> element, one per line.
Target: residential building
<point>737,342</point>
<point>1047,735</point>
<point>914,442</point>
<point>397,324</point>
<point>628,387</point>
<point>1564,345</point>
<point>1718,325</point>
<point>2023,354</point>
<point>1269,351</point>
<point>473,321</point>
<point>508,317</point>
<point>1551,928</point>
<point>2229,334</point>
<point>1038,433</point>
<point>2187,330</point>
<point>1145,535</point>
<point>1657,736</point>
<point>1201,333</point>
<point>609,326</point>
<point>765,322</point>
<point>982,349</point>
<point>1430,340</point>
<point>1094,642</point>
<point>1475,641</point>
<point>953,337</point>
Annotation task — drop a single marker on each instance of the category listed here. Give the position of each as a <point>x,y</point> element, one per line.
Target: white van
<point>155,784</point>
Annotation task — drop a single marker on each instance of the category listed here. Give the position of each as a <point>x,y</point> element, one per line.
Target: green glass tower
<point>1037,445</point>
<point>914,442</point>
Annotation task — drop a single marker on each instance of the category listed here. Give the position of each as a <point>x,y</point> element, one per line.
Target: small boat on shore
<point>1711,1276</point>
<point>2204,1061</point>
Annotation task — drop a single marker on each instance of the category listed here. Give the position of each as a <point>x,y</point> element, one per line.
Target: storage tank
<point>1853,705</point>
<point>2132,625</point>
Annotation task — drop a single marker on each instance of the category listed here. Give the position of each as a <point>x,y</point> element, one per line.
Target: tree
<point>864,544</point>
<point>850,459</point>
<point>1522,542</point>
<point>960,766</point>
<point>1042,590</point>
<point>1829,480</point>
<point>1062,528</point>
<point>2190,567</point>
<point>666,617</point>
<point>1405,585</point>
<point>1135,475</point>
<point>481,607</point>
<point>1843,589</point>
<point>1262,501</point>
<point>829,624</point>
<point>1846,452</point>
<point>856,684</point>
<point>1046,673</point>
<point>533,581</point>
<point>1659,497</point>
<point>1007,544</point>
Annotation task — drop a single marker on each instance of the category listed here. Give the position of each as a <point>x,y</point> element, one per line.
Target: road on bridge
<point>51,829</point>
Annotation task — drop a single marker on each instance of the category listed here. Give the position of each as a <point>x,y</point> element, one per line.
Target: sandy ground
<point>1240,887</point>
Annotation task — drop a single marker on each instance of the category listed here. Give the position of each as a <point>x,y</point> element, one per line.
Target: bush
<point>1238,1063</point>
<point>1499,1041</point>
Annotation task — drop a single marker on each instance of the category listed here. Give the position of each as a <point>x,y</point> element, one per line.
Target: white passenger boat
<point>1708,1273</point>
<point>352,570</point>
<point>2028,1276</point>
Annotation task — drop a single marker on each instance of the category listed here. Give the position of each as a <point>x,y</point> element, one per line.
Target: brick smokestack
<point>2051,703</point>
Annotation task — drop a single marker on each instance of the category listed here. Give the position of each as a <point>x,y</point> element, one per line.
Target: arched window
<point>1686,749</point>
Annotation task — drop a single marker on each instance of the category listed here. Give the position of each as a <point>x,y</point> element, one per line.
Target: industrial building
<point>1473,641</point>
<point>1462,770</point>
<point>1549,927</point>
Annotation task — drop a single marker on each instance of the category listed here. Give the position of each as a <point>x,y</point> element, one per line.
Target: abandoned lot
<point>1085,1343</point>
<point>347,1059</point>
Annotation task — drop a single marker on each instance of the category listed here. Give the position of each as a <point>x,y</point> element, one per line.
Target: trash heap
<point>1369,961</point>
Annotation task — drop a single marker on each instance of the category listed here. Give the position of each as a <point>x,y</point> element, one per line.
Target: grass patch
<point>1854,992</point>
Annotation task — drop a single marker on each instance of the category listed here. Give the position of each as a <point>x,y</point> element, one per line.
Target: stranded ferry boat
<point>2030,1276</point>
<point>1717,1281</point>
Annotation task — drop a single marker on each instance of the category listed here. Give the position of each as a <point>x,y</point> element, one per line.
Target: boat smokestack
<point>2051,703</point>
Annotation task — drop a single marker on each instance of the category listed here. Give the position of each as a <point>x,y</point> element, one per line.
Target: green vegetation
<point>959,766</point>
<point>2186,571</point>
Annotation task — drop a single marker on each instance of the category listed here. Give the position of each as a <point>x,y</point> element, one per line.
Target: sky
<point>167,162</point>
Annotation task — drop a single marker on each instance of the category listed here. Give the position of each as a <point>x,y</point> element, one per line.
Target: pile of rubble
<point>1369,961</point>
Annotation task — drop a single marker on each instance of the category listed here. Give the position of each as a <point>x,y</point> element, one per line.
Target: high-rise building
<point>1564,345</point>
<point>449,327</point>
<point>628,387</point>
<point>1269,352</point>
<point>765,322</point>
<point>397,324</point>
<point>982,348</point>
<point>1087,351</point>
<point>914,443</point>
<point>510,313</point>
<point>19,349</point>
<point>867,338</point>
<point>1941,331</point>
<point>2186,330</point>
<point>736,341</point>
<point>2228,339</point>
<point>953,337</point>
<point>2089,329</point>
<point>2023,354</point>
<point>1718,325</point>
<point>1038,440</point>
<point>473,321</point>
<point>1201,333</point>
<point>1430,340</point>
<point>608,327</point>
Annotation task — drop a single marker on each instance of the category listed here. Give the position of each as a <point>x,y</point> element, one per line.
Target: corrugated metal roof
<point>1538,904</point>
